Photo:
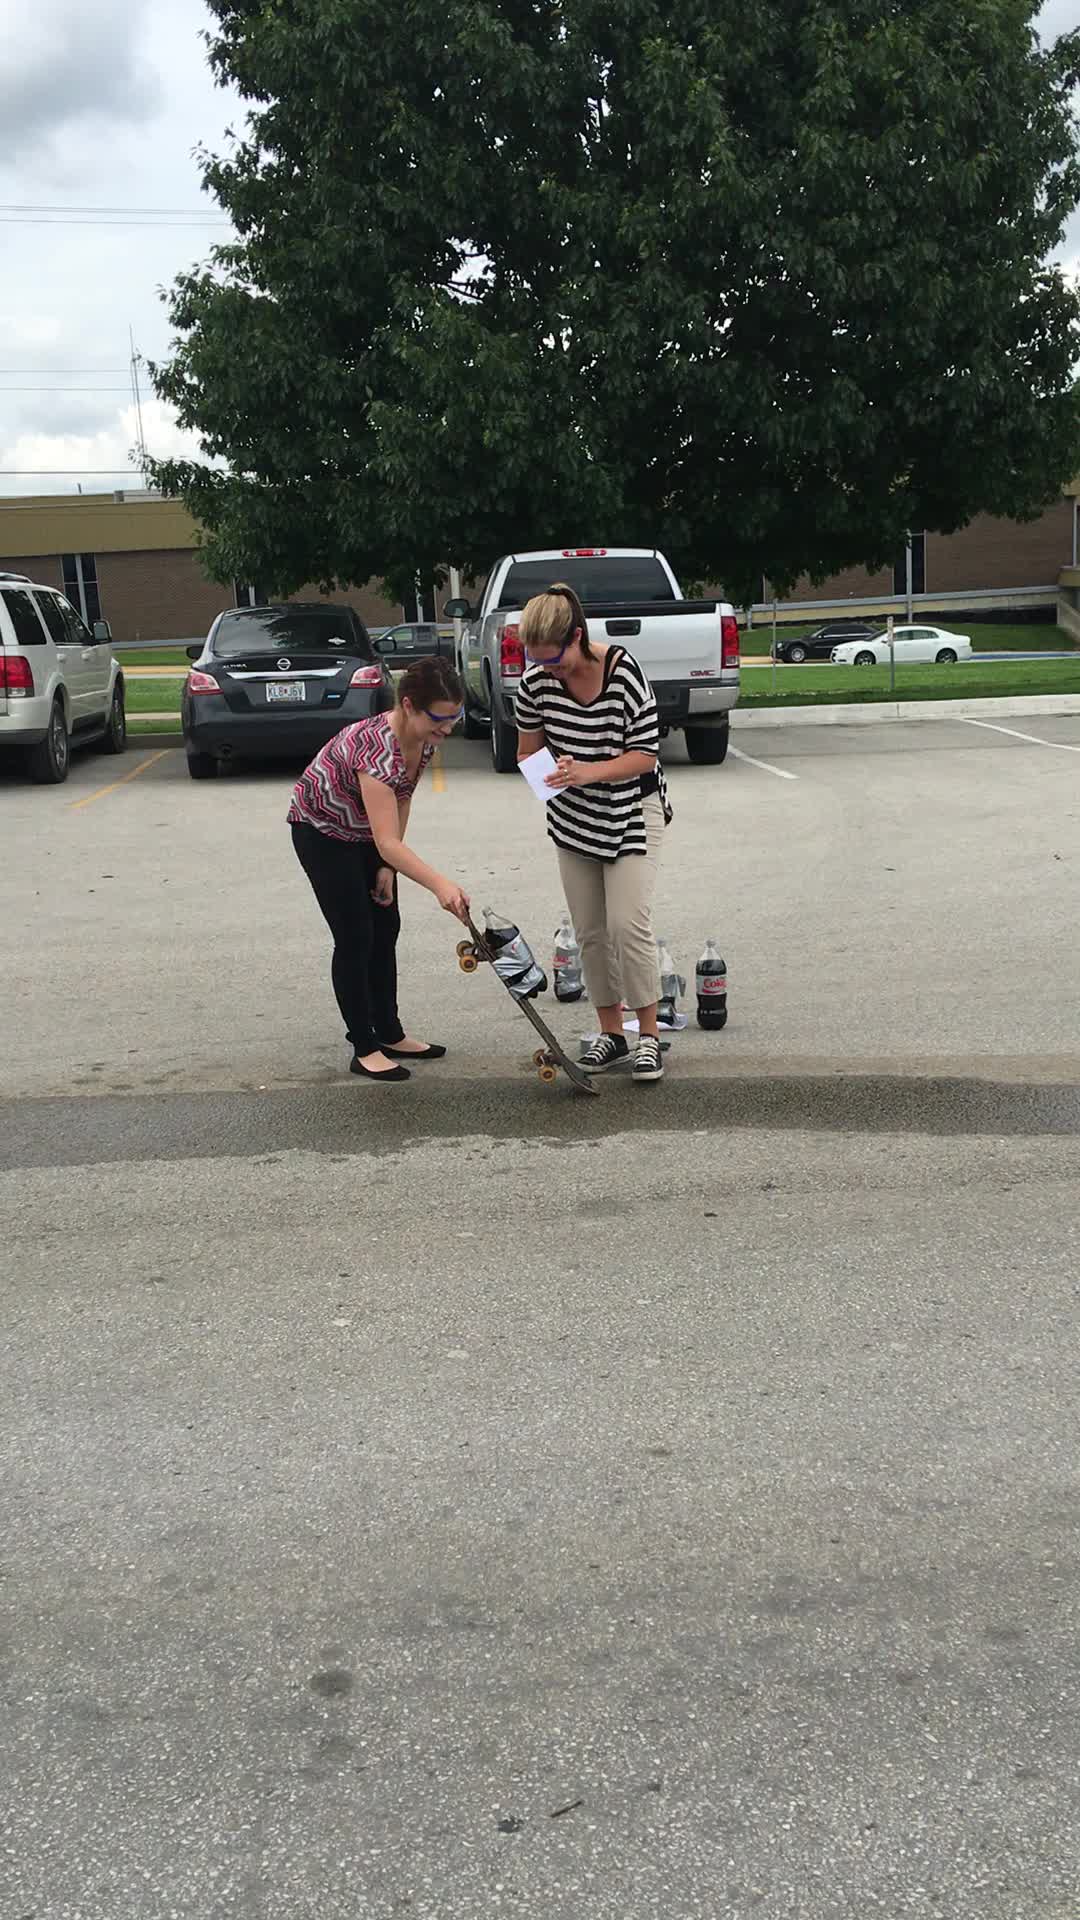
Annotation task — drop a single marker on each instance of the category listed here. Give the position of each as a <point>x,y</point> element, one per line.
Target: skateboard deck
<point>551,1056</point>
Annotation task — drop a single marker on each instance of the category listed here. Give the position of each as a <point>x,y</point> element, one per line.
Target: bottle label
<point>712,983</point>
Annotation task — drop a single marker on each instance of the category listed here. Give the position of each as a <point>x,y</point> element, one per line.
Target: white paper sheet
<point>536,769</point>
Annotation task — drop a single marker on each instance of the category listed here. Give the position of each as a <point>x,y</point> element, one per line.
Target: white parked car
<point>60,684</point>
<point>912,644</point>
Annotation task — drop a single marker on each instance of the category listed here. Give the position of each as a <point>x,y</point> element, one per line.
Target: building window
<point>81,585</point>
<point>247,593</point>
<point>918,567</point>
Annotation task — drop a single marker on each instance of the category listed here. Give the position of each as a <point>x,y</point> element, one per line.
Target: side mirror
<point>458,610</point>
<point>194,653</point>
<point>102,633</point>
<point>384,644</point>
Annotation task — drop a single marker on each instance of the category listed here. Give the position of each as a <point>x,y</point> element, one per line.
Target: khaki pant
<point>610,904</point>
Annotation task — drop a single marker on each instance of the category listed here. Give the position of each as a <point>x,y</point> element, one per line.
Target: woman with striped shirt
<point>593,708</point>
<point>348,816</point>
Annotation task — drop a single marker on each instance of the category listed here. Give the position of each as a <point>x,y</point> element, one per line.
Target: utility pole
<point>137,398</point>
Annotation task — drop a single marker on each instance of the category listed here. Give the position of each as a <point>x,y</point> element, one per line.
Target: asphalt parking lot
<point>463,1499</point>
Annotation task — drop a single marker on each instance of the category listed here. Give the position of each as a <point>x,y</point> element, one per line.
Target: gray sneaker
<point>606,1051</point>
<point>648,1059</point>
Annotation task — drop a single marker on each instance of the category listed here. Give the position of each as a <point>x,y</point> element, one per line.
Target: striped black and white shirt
<point>605,821</point>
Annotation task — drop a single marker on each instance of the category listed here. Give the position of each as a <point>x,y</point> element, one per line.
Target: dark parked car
<point>416,641</point>
<point>819,643</point>
<point>279,681</point>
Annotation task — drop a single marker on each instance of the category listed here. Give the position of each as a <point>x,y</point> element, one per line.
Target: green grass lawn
<point>153,696</point>
<point>1023,638</point>
<point>817,684</point>
<point>154,657</point>
<point>825,685</point>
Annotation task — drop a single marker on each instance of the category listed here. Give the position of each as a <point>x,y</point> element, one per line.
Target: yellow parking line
<point>438,774</point>
<point>122,782</point>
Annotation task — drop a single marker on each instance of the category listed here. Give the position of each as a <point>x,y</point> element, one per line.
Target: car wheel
<point>50,760</point>
<point>707,746</point>
<point>201,766</point>
<point>474,726</point>
<point>795,654</point>
<point>116,731</point>
<point>947,657</point>
<point>503,742</point>
<point>865,660</point>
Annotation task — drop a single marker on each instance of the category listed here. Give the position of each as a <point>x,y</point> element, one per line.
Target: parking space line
<point>1063,746</point>
<point>438,773</point>
<point>765,765</point>
<point>123,780</point>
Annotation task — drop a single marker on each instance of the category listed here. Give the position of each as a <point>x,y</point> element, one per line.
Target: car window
<point>52,614</point>
<point>79,634</point>
<point>29,631</point>
<point>595,580</point>
<point>290,630</point>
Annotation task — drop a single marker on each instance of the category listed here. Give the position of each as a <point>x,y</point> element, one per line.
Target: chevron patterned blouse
<point>327,795</point>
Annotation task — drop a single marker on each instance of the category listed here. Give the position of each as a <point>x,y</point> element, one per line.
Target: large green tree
<point>763,284</point>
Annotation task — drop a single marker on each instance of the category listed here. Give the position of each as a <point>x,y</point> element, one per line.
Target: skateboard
<point>548,1058</point>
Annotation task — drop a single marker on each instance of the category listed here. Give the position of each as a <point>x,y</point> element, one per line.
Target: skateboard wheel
<point>540,1058</point>
<point>548,1074</point>
<point>468,963</point>
<point>463,947</point>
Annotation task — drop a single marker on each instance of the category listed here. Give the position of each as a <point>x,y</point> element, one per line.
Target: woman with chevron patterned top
<point>348,816</point>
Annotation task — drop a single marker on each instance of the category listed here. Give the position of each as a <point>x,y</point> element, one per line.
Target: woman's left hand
<point>383,891</point>
<point>572,773</point>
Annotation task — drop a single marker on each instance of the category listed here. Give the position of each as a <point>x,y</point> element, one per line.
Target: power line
<point>61,371</point>
<point>59,206</point>
<point>63,389</point>
<point>165,226</point>
<point>36,473</point>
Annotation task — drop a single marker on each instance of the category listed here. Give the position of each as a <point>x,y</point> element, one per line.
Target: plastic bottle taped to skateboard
<point>513,962</point>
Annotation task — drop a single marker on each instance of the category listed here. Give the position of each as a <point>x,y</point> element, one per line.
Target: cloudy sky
<point>102,110</point>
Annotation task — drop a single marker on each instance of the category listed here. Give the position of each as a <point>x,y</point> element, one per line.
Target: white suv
<point>60,684</point>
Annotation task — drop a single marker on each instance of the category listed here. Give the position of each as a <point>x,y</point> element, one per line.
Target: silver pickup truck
<point>688,648</point>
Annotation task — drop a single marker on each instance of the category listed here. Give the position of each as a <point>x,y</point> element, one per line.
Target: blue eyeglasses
<point>551,659</point>
<point>444,719</point>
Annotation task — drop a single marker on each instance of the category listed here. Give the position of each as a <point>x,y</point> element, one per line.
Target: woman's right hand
<point>451,898</point>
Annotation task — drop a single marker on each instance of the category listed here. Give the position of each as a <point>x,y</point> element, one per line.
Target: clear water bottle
<point>567,967</point>
<point>514,960</point>
<point>711,983</point>
<point>671,985</point>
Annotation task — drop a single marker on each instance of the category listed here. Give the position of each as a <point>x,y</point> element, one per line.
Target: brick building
<point>1011,559</point>
<point>132,558</point>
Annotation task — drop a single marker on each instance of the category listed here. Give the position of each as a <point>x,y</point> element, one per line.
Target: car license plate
<point>289,692</point>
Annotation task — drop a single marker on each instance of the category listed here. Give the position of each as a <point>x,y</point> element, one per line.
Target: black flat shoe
<point>429,1053</point>
<point>366,1073</point>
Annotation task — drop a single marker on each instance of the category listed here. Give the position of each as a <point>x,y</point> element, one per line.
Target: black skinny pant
<point>342,874</point>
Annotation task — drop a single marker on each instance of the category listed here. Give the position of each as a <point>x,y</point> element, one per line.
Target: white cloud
<point>100,459</point>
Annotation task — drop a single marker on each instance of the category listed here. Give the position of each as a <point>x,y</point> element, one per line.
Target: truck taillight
<point>584,553</point>
<point>729,639</point>
<point>16,677</point>
<point>201,682</point>
<point>511,651</point>
<point>367,677</point>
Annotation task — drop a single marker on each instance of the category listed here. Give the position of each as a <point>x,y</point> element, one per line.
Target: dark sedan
<point>278,682</point>
<point>820,641</point>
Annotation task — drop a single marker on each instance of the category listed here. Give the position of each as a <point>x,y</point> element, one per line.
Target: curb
<point>137,741</point>
<point>868,712</point>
